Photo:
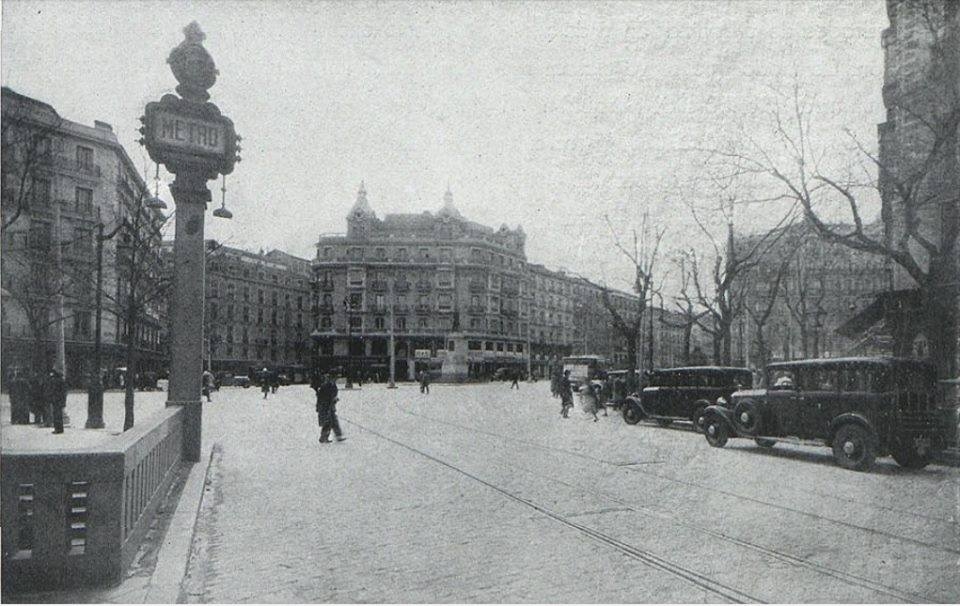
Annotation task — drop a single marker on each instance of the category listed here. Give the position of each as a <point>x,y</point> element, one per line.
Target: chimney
<point>102,125</point>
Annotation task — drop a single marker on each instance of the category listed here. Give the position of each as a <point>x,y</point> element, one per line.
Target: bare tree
<point>917,179</point>
<point>687,314</point>
<point>718,286</point>
<point>642,250</point>
<point>141,285</point>
<point>27,132</point>
<point>761,307</point>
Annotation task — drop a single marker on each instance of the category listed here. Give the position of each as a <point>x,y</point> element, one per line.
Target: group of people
<point>591,395</point>
<point>44,396</point>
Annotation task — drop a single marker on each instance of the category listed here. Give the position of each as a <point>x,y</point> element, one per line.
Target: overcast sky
<point>545,114</point>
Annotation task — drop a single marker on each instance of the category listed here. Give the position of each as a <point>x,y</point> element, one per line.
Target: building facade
<point>919,146</point>
<point>60,180</point>
<point>257,311</point>
<point>811,289</point>
<point>456,297</point>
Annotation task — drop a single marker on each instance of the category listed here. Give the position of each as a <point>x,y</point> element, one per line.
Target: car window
<point>782,378</point>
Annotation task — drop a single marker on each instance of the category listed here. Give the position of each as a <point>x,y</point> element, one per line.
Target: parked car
<point>862,408</point>
<point>682,394</point>
<point>242,381</point>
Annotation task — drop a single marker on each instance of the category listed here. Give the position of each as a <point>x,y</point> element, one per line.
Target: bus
<point>584,368</point>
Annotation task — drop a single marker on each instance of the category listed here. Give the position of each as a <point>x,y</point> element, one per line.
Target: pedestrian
<point>37,405</point>
<point>424,381</point>
<point>515,377</point>
<point>265,383</point>
<point>326,390</point>
<point>55,397</point>
<point>207,381</point>
<point>555,380</point>
<point>566,394</point>
<point>274,382</point>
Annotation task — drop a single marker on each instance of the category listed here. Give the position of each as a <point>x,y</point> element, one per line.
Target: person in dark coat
<point>55,397</point>
<point>37,403</point>
<point>424,381</point>
<point>326,390</point>
<point>566,394</point>
<point>514,378</point>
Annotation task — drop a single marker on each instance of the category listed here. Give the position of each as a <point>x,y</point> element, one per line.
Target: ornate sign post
<point>195,142</point>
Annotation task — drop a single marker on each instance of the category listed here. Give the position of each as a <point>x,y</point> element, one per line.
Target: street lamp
<point>95,387</point>
<point>348,384</point>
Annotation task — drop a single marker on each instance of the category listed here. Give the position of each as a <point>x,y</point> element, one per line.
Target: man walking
<point>327,410</point>
<point>55,397</point>
<point>424,381</point>
<point>514,378</point>
<point>208,382</point>
<point>566,394</point>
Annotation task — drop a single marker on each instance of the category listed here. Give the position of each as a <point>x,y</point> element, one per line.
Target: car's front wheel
<point>631,412</point>
<point>854,447</point>
<point>910,457</point>
<point>716,432</point>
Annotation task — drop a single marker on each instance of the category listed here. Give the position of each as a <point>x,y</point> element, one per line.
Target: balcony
<point>402,286</point>
<point>510,290</point>
<point>401,308</point>
<point>424,286</point>
<point>65,163</point>
<point>476,309</point>
<point>476,286</point>
<point>325,308</point>
<point>326,286</point>
<point>379,285</point>
<point>422,309</point>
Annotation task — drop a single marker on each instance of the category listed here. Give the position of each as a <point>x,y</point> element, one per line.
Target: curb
<point>174,554</point>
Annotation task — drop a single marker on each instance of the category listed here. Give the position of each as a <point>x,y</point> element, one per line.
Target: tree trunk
<point>938,316</point>
<point>726,341</point>
<point>132,362</point>
<point>687,337</point>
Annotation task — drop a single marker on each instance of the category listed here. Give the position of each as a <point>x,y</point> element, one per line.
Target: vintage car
<point>860,407</point>
<point>673,394</point>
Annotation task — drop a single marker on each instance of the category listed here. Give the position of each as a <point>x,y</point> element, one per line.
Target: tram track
<point>646,557</point>
<point>695,485</point>
<point>786,558</point>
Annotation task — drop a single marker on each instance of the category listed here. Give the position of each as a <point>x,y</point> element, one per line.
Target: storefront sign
<point>421,353</point>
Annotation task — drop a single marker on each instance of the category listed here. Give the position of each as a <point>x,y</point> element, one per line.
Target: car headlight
<point>721,401</point>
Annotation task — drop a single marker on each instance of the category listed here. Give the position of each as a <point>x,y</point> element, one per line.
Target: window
<point>499,346</point>
<point>450,346</point>
<point>380,301</point>
<point>402,254</point>
<point>325,322</point>
<point>422,323</point>
<point>473,345</point>
<point>475,323</point>
<point>381,253</point>
<point>355,277</point>
<point>446,255</point>
<point>519,347</point>
<point>445,279</point>
<point>40,191</point>
<point>356,300</point>
<point>356,322</point>
<point>355,253</point>
<point>401,323</point>
<point>83,202</point>
<point>444,302</point>
<point>84,158</point>
<point>327,252</point>
<point>327,300</point>
<point>424,253</point>
<point>488,345</point>
<point>378,323</point>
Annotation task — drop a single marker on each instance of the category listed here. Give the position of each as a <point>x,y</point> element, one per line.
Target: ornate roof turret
<point>361,208</point>
<point>448,209</point>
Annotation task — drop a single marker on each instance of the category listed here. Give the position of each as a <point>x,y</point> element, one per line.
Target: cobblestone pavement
<point>484,494</point>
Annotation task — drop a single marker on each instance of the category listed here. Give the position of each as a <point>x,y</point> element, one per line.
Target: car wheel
<point>664,422</point>
<point>747,417</point>
<point>854,447</point>
<point>631,413</point>
<point>697,419</point>
<point>909,457</point>
<point>716,432</point>
<point>765,443</point>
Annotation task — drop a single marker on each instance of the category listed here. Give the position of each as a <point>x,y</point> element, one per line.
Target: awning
<point>875,313</point>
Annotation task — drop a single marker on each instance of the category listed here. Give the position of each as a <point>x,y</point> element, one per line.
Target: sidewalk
<point>34,438</point>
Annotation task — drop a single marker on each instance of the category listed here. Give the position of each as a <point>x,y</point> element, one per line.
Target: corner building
<point>459,298</point>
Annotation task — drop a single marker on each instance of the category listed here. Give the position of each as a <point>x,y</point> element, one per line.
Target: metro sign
<point>187,135</point>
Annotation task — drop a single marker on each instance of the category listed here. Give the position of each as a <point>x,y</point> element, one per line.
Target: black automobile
<point>862,408</point>
<point>682,394</point>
